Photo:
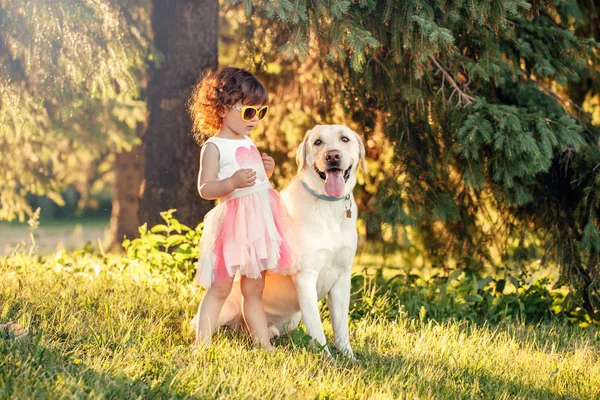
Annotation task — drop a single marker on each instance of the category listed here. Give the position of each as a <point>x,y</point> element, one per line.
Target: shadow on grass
<point>31,370</point>
<point>454,382</point>
<point>436,378</point>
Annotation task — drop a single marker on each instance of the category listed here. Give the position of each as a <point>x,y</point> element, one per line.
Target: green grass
<point>101,332</point>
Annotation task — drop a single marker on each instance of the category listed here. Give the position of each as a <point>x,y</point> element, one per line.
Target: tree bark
<point>185,32</point>
<point>129,173</point>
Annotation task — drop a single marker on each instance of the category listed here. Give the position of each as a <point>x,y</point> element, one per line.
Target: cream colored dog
<point>320,202</point>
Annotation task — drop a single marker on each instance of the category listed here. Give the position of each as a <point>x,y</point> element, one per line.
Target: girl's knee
<point>220,290</point>
<point>252,287</point>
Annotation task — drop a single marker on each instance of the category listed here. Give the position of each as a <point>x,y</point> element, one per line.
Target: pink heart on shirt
<point>250,158</point>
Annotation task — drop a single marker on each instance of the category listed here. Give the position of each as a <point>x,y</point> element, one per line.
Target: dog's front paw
<point>347,352</point>
<point>352,358</point>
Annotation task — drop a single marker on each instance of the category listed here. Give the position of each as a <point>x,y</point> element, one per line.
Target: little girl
<point>248,230</point>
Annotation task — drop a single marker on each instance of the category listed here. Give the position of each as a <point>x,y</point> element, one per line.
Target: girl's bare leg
<point>209,310</point>
<point>253,310</point>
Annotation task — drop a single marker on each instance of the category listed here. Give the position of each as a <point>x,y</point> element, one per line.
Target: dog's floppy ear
<point>301,152</point>
<point>361,151</point>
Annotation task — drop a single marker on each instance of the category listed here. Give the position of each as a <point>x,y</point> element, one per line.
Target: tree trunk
<point>186,34</point>
<point>129,172</point>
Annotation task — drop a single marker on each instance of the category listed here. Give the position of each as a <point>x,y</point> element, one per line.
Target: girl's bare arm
<point>209,185</point>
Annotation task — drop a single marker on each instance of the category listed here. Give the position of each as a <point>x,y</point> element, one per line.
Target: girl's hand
<point>244,177</point>
<point>269,164</point>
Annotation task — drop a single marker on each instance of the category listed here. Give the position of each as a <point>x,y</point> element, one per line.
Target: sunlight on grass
<point>99,331</point>
<point>52,235</point>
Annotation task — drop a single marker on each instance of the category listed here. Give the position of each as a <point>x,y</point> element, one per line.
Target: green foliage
<point>515,147</point>
<point>463,295</point>
<point>70,79</point>
<point>166,247</point>
<point>345,38</point>
<point>483,105</point>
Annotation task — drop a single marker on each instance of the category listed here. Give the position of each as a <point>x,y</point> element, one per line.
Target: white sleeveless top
<point>237,154</point>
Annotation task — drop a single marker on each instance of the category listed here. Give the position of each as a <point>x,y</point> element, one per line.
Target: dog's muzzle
<point>323,175</point>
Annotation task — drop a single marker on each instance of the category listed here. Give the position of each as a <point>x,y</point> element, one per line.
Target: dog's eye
<point>345,139</point>
<point>318,142</point>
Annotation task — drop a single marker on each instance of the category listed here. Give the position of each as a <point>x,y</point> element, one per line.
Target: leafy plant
<point>166,247</point>
<point>463,294</point>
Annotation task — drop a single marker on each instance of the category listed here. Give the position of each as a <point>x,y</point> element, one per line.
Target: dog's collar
<point>323,197</point>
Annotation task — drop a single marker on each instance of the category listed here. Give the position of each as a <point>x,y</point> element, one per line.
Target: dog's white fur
<point>327,240</point>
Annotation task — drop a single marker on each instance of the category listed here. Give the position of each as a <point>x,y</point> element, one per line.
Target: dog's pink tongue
<point>334,183</point>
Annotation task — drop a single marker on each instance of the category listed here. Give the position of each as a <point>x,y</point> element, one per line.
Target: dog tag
<point>348,206</point>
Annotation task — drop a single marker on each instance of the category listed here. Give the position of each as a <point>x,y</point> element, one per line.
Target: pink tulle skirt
<point>249,234</point>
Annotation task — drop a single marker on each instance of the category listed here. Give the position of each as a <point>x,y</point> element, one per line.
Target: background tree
<point>69,94</point>
<point>494,163</point>
<point>186,34</point>
<point>128,171</point>
<point>300,97</point>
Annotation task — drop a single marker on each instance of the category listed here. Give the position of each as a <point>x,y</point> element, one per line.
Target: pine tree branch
<point>384,68</point>
<point>462,96</point>
<point>131,22</point>
<point>565,104</point>
<point>14,67</point>
<point>563,101</point>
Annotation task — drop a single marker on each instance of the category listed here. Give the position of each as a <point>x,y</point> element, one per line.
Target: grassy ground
<point>101,332</point>
<point>69,234</point>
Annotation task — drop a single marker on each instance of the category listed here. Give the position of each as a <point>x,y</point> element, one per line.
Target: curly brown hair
<point>215,90</point>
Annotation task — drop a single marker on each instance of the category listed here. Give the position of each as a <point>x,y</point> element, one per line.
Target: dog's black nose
<point>332,156</point>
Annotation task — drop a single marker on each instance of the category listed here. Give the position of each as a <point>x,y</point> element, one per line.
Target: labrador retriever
<point>320,202</point>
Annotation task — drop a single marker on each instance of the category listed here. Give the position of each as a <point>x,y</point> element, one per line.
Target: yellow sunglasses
<point>248,112</point>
